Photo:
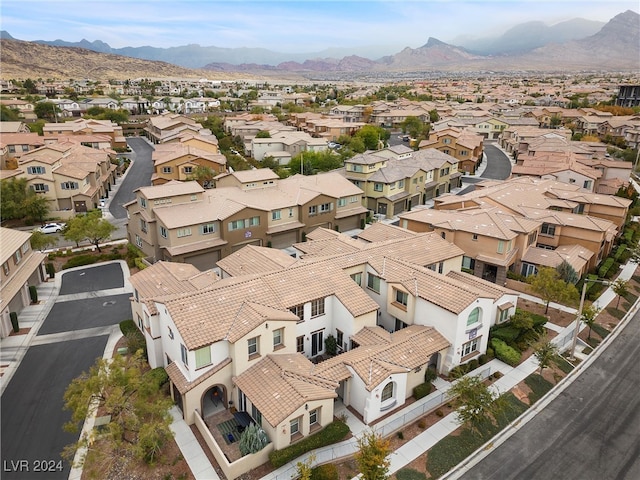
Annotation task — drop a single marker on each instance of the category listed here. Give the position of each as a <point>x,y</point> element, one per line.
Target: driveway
<point>139,175</point>
<point>589,431</point>
<point>72,336</point>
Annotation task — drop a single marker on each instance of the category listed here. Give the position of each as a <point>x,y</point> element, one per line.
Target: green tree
<point>548,285</point>
<point>555,120</point>
<point>372,456</point>
<point>413,126</point>
<point>30,86</point>
<point>40,241</point>
<point>13,193</point>
<point>46,110</point>
<point>373,137</point>
<point>620,288</point>
<point>90,226</point>
<point>304,469</point>
<point>588,316</point>
<point>203,175</point>
<point>263,134</point>
<point>36,206</point>
<point>567,272</point>
<point>74,231</point>
<point>8,114</point>
<point>433,116</point>
<point>545,352</point>
<point>125,389</point>
<point>476,404</point>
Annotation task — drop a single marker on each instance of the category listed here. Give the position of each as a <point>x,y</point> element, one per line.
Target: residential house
<point>169,126</point>
<point>21,268</point>
<point>285,145</point>
<point>86,127</point>
<point>463,145</point>
<point>14,145</point>
<point>179,161</point>
<point>25,109</point>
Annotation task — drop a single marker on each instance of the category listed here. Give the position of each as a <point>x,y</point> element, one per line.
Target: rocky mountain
<point>31,60</point>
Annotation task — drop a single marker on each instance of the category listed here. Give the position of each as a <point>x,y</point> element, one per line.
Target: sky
<point>285,26</point>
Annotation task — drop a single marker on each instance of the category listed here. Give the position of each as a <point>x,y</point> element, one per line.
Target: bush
<point>504,352</point>
<point>606,267</point>
<point>127,326</point>
<point>507,333</point>
<point>330,345</point>
<point>332,433</point>
<point>409,474</point>
<point>33,293</point>
<point>422,423</point>
<point>439,413</point>
<point>51,269</point>
<point>400,435</point>
<point>497,375</point>
<point>327,471</point>
<point>136,341</point>
<point>79,261</point>
<point>422,390</point>
<point>459,371</point>
<point>14,322</point>
<point>158,376</point>
<point>473,364</point>
<point>430,374</point>
<point>484,358</point>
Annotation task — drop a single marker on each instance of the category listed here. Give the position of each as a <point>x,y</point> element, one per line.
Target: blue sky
<point>285,26</point>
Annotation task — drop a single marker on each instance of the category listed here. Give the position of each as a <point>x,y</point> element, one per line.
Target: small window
<point>170,333</point>
<point>500,246</point>
<point>184,232</point>
<point>163,232</point>
<point>357,277</point>
<point>138,241</point>
<point>313,210</point>
<point>188,170</point>
<point>317,307</point>
<point>166,169</point>
<point>313,416</point>
<point>470,347</point>
<point>474,237</point>
<point>377,187</point>
<point>298,311</point>
<point>184,355</point>
<point>300,344</point>
<point>339,338</point>
<point>474,316</point>
<point>5,268</point>
<point>277,337</point>
<point>203,357</point>
<point>402,297</point>
<point>387,392</point>
<point>143,225</point>
<point>342,202</point>
<point>253,346</point>
<point>275,215</point>
<point>373,282</point>
<point>207,228</point>
<point>295,426</point>
<point>143,202</point>
<point>548,230</point>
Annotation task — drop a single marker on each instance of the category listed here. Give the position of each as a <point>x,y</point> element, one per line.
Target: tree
<point>373,136</point>
<point>13,193</point>
<point>371,456</point>
<point>545,352</point>
<point>203,175</point>
<point>263,134</point>
<point>548,285</point>
<point>29,86</point>
<point>125,389</point>
<point>36,206</point>
<point>588,316</point>
<point>413,126</point>
<point>8,114</point>
<point>619,287</point>
<point>567,272</point>
<point>46,110</point>
<point>476,403</point>
<point>433,116</point>
<point>74,231</point>
<point>304,469</point>
<point>40,241</point>
<point>91,227</point>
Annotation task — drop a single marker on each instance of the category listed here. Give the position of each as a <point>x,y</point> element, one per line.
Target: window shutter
<point>46,188</point>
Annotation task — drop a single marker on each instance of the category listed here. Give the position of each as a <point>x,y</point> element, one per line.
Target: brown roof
<point>379,232</point>
<point>180,381</point>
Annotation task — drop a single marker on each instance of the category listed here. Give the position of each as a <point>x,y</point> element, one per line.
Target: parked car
<point>52,228</point>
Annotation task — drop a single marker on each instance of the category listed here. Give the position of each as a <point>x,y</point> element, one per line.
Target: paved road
<point>72,336</point>
<point>139,175</point>
<point>498,164</point>
<point>590,431</point>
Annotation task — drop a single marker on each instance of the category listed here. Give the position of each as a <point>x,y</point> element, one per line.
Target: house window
<point>140,322</point>
<point>473,316</point>
<point>548,230</point>
<point>326,207</point>
<point>5,268</point>
<point>236,225</point>
<point>257,416</point>
<point>387,392</point>
<point>356,168</point>
<point>69,185</point>
<point>166,169</point>
<point>470,347</point>
<point>579,209</point>
<point>339,338</point>
<point>188,170</point>
<point>277,338</point>
<point>295,426</point>
<point>399,325</point>
<point>170,333</point>
<point>298,311</point>
<point>342,202</point>
<point>313,210</point>
<point>531,239</point>
<point>357,277</point>
<point>373,282</point>
<point>143,202</point>
<point>317,307</point>
<point>446,141</point>
<point>40,187</point>
<point>468,263</point>
<point>207,228</point>
<point>474,237</point>
<point>253,346</point>
<point>504,315</point>
<point>17,256</point>
<point>275,215</point>
<point>138,241</point>
<point>163,232</point>
<point>500,246</point>
<point>203,357</point>
<point>184,355</point>
<point>143,225</point>
<point>392,186</point>
<point>25,248</point>
<point>184,232</point>
<point>36,170</point>
<point>290,212</point>
<point>587,184</point>
<point>300,344</point>
<point>443,235</point>
<point>400,183</point>
<point>313,416</point>
<point>402,297</point>
<point>377,187</point>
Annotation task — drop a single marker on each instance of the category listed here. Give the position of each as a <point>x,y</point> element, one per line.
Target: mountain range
<point>571,46</point>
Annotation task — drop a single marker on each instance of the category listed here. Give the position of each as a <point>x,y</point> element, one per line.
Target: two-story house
<point>463,145</point>
<point>179,161</point>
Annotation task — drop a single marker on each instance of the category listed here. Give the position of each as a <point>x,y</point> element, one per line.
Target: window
<point>468,263</point>
<point>236,225</point>
<point>36,170</point>
<point>339,338</point>
<point>69,185</point>
<point>188,170</point>
<point>357,277</point>
<point>400,183</point>
<point>257,416</point>
<point>184,232</point>
<point>17,256</point>
<point>295,426</point>
<point>587,184</point>
<point>252,346</point>
<point>166,169</point>
<point>139,322</point>
<point>138,241</point>
<point>313,210</point>
<point>5,268</point>
<point>342,202</point>
<point>25,247</point>
<point>446,141</point>
<point>317,307</point>
<point>207,228</point>
<point>474,237</point>
<point>143,225</point>
<point>326,207</point>
<point>373,282</point>
<point>377,187</point>
<point>579,209</point>
<point>298,311</point>
<point>313,417</point>
<point>548,230</point>
<point>473,316</point>
<point>40,187</point>
<point>203,357</point>
<point>253,222</point>
<point>163,232</point>
<point>402,297</point>
<point>500,246</point>
<point>470,347</point>
<point>300,344</point>
<point>531,239</point>
<point>443,235</point>
<point>143,202</point>
<point>356,168</point>
<point>277,337</point>
<point>275,215</point>
<point>504,315</point>
<point>387,392</point>
<point>184,355</point>
<point>290,212</point>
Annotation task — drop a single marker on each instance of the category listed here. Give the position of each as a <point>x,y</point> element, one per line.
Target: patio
<point>222,425</point>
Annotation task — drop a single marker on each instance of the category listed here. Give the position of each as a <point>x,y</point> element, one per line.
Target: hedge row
<point>606,267</point>
<point>422,390</point>
<point>504,352</point>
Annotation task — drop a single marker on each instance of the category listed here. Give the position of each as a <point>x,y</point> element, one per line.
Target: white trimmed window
<point>295,426</point>
<point>138,241</point>
<point>470,347</point>
<point>357,277</point>
<point>317,307</point>
<point>298,311</point>
<point>277,337</point>
<point>402,297</point>
<point>203,357</point>
<point>184,354</point>
<point>69,185</point>
<point>326,207</point>
<point>342,202</point>
<point>163,232</point>
<point>387,392</point>
<point>207,228</point>
<point>313,416</point>
<point>184,232</point>
<point>36,170</point>
<point>275,215</point>
<point>373,282</point>
<point>474,316</point>
<point>252,345</point>
<point>166,169</point>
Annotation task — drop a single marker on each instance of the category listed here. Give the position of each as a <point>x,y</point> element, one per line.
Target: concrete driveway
<point>71,337</point>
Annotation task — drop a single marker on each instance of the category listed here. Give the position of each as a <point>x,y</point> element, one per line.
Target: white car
<point>51,228</point>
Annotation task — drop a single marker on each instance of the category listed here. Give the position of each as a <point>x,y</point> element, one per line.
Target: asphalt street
<point>72,336</point>
<point>139,175</point>
<point>498,163</point>
<point>591,431</point>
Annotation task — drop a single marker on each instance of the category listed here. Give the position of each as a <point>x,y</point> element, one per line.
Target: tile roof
<point>576,255</point>
<point>379,232</point>
<point>180,381</point>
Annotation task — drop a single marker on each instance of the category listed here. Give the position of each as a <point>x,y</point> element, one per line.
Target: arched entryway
<point>214,400</point>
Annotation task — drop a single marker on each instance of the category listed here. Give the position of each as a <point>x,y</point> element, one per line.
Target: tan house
<point>83,126</point>
<point>21,268</point>
<point>463,145</point>
<point>180,161</point>
<point>14,145</point>
<point>170,126</point>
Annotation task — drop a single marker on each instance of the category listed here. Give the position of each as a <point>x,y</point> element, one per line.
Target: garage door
<point>284,240</point>
<point>204,261</point>
<point>349,223</point>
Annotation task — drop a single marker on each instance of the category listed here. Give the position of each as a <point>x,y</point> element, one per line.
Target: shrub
<point>459,371</point>
<point>127,326</point>
<point>51,269</point>
<point>332,433</point>
<point>79,261</point>
<point>422,390</point>
<point>605,267</point>
<point>330,345</point>
<point>158,376</point>
<point>422,423</point>
<point>33,293</point>
<point>327,471</point>
<point>508,334</point>
<point>139,263</point>
<point>400,435</point>
<point>439,413</point>
<point>14,322</point>
<point>491,353</point>
<point>136,341</point>
<point>504,352</point>
<point>484,358</point>
<point>252,440</point>
<point>473,364</point>
<point>538,385</point>
<point>410,474</point>
<point>497,375</point>
<point>430,374</point>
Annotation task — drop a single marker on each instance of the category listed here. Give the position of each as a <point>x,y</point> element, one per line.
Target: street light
<point>579,317</point>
